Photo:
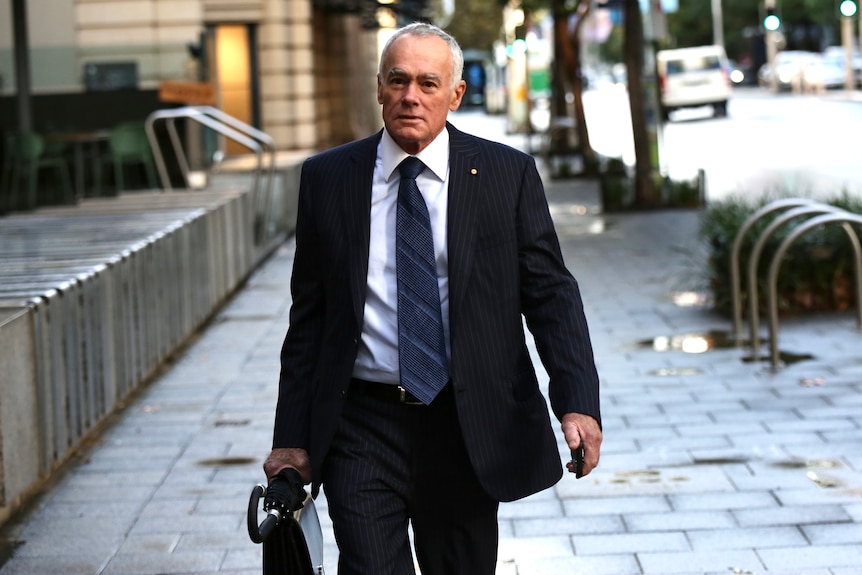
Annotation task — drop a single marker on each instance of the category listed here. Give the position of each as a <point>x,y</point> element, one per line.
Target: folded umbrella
<point>292,542</point>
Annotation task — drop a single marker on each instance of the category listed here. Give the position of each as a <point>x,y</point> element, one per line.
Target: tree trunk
<point>567,58</point>
<point>645,191</point>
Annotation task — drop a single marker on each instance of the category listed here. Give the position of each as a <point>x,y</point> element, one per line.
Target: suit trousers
<point>392,465</point>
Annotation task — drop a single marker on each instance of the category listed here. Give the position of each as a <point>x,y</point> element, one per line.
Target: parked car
<point>824,73</point>
<point>836,53</point>
<point>789,69</point>
<point>803,71</point>
<point>694,77</point>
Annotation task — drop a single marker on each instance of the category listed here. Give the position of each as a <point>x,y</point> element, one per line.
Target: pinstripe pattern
<point>390,462</point>
<point>505,265</point>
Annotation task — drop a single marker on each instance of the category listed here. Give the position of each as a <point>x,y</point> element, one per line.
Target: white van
<point>694,77</point>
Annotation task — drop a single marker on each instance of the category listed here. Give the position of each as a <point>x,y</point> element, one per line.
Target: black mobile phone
<point>578,460</point>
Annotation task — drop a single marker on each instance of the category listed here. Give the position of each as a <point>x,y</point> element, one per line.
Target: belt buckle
<point>402,397</point>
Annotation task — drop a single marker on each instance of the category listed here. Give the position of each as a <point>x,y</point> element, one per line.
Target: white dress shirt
<point>377,359</point>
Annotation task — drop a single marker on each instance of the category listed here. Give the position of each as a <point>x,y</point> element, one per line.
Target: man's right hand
<point>285,492</point>
<point>283,457</point>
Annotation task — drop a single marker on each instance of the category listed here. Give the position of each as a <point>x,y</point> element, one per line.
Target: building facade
<point>302,71</point>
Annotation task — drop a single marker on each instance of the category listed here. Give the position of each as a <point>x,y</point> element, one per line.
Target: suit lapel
<point>465,172</point>
<point>356,210</point>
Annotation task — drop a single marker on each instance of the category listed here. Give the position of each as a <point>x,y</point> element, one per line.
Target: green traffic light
<point>772,22</point>
<point>847,8</point>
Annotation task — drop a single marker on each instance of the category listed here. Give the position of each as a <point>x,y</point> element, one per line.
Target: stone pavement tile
<point>527,509</point>
<point>745,538</point>
<point>578,507</point>
<point>679,520</point>
<point>630,543</point>
<point>854,510</point>
<point>520,548</point>
<point>153,563</point>
<point>575,525</point>
<point>719,501</point>
<point>821,556</point>
<point>758,476</point>
<point>798,515</point>
<point>650,482</point>
<point>623,564</point>
<point>154,543</point>
<point>685,562</point>
<point>77,564</point>
<point>833,534</point>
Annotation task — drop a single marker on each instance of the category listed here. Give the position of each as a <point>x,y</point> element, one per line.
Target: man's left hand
<point>579,428</point>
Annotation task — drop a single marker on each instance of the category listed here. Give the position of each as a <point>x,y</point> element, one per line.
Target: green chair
<point>26,157</point>
<point>128,145</point>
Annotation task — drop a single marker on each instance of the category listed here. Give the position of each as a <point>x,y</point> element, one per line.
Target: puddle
<point>823,481</point>
<point>786,358</point>
<point>644,476</point>
<point>671,371</point>
<point>227,461</point>
<point>691,342</point>
<point>809,464</point>
<point>232,422</point>
<point>721,461</point>
<point>691,299</point>
<point>696,343</point>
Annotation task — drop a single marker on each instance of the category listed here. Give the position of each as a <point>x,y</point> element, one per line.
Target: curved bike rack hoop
<point>735,295</point>
<point>845,219</point>
<point>809,208</point>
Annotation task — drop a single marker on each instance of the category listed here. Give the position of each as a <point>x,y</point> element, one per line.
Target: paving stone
<point>723,561</point>
<point>745,538</point>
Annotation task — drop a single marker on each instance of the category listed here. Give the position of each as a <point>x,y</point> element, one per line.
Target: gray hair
<point>424,30</point>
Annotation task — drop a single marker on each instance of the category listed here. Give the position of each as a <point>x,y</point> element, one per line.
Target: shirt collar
<point>435,156</point>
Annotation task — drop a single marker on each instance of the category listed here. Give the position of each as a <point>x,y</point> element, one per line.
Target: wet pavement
<point>711,464</point>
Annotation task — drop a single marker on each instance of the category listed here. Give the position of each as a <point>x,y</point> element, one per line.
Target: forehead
<point>418,55</point>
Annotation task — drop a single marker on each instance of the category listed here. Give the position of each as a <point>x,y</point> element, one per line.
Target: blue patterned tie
<point>421,348</point>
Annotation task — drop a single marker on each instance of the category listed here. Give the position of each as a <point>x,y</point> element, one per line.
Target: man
<point>348,416</point>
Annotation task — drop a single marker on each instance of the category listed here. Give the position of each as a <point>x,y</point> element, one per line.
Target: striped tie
<point>421,348</point>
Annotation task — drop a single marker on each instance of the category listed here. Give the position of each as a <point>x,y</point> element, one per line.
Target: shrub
<point>816,273</point>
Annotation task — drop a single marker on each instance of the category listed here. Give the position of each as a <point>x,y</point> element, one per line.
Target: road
<point>777,143</point>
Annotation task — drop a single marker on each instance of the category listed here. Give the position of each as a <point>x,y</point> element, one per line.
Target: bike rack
<point>230,127</point>
<point>846,219</point>
<point>737,247</point>
<point>813,208</point>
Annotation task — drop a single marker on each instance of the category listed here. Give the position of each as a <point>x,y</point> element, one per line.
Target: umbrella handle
<point>257,533</point>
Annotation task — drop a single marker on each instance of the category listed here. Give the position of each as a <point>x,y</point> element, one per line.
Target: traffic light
<point>847,8</point>
<point>771,21</point>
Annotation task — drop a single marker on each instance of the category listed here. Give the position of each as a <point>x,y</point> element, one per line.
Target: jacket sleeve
<point>552,306</point>
<point>302,342</point>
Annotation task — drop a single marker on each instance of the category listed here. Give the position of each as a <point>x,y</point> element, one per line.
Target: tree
<point>567,64</point>
<point>645,190</point>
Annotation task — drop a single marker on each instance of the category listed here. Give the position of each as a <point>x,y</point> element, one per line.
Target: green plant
<point>816,273</point>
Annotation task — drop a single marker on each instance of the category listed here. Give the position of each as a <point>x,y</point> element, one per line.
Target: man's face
<point>416,91</point>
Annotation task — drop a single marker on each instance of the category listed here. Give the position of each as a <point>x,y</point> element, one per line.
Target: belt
<point>387,391</point>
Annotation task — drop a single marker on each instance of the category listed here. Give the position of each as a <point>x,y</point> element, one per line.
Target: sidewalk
<point>711,465</point>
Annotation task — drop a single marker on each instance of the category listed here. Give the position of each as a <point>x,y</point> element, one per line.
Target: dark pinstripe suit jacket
<point>504,261</point>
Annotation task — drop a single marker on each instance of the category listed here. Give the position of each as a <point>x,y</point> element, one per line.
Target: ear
<point>379,90</point>
<point>457,95</point>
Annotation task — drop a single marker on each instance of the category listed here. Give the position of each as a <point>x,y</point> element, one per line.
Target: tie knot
<point>410,167</point>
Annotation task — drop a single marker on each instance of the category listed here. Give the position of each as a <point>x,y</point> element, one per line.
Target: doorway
<point>236,76</point>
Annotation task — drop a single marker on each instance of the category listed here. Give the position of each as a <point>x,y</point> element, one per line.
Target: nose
<point>411,93</point>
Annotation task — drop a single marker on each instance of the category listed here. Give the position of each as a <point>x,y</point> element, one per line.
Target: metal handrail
<point>735,295</point>
<point>192,113</point>
<point>754,262</point>
<point>845,219</point>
